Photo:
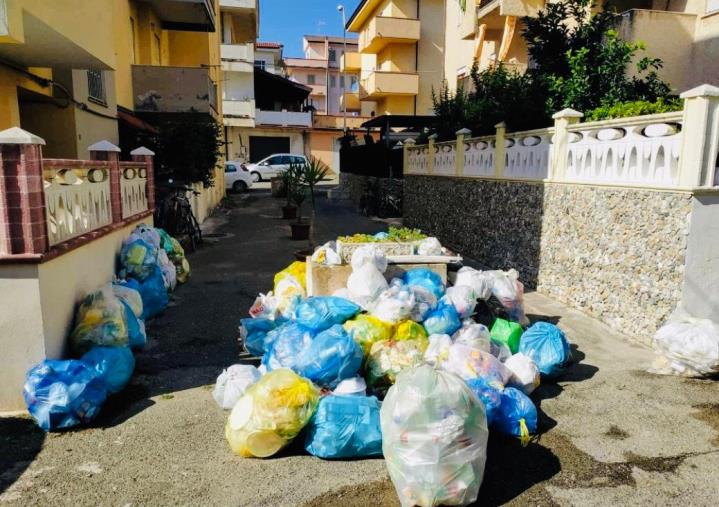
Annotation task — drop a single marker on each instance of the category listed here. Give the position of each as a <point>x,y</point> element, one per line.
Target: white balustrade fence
<point>77,199</point>
<point>133,188</point>
<point>677,150</point>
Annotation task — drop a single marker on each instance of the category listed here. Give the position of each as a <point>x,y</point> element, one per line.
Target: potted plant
<point>310,174</point>
<point>290,180</point>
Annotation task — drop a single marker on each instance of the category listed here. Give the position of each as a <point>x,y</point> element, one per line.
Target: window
<point>311,79</point>
<point>230,168</point>
<point>342,82</point>
<point>333,55</point>
<point>96,86</point>
<point>298,160</point>
<point>261,64</point>
<point>353,84</point>
<point>333,81</point>
<point>286,160</point>
<point>276,160</point>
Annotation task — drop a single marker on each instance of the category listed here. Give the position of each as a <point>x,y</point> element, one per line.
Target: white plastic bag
<point>479,281</point>
<point>434,438</point>
<point>463,298</point>
<point>169,271</point>
<point>510,291</point>
<point>369,255</point>
<point>424,302</point>
<point>393,305</point>
<point>327,255</point>
<point>686,346</point>
<point>354,385</point>
<point>474,335</point>
<point>525,374</point>
<point>264,307</point>
<point>468,363</point>
<point>367,282</point>
<point>232,384</point>
<point>429,246</point>
<point>438,349</point>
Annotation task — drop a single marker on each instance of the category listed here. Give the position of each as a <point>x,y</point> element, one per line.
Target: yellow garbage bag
<point>100,320</point>
<point>411,330</point>
<point>271,413</point>
<point>367,330</point>
<point>290,288</point>
<point>297,270</point>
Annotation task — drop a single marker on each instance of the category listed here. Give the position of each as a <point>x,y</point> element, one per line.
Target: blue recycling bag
<point>137,336</point>
<point>331,357</point>
<point>288,342</point>
<point>322,312</point>
<point>547,346</point>
<point>154,294</point>
<point>442,320</point>
<point>516,415</point>
<point>255,332</point>
<point>345,426</point>
<point>114,365</point>
<point>62,394</point>
<point>138,259</point>
<point>487,394</point>
<point>425,278</point>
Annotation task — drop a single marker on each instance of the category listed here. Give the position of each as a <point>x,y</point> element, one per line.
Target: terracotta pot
<point>300,231</point>
<point>301,255</point>
<point>289,212</point>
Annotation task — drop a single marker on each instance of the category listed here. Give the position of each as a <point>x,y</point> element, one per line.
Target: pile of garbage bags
<point>407,368</point>
<point>109,325</point>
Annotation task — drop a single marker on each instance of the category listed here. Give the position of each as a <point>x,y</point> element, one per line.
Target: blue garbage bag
<point>345,426</point>
<point>488,394</point>
<point>516,415</point>
<point>138,259</point>
<point>322,312</point>
<point>154,294</point>
<point>114,365</point>
<point>287,343</point>
<point>381,235</point>
<point>63,394</point>
<point>547,346</point>
<point>254,333</point>
<point>425,278</point>
<point>331,357</point>
<point>137,336</point>
<point>442,320</point>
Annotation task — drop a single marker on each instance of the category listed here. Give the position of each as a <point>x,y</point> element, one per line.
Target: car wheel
<point>256,177</point>
<point>239,186</point>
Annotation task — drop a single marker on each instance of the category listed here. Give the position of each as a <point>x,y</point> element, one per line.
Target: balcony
<point>318,89</point>
<point>325,121</point>
<point>238,113</point>
<point>382,31</point>
<point>351,61</point>
<point>352,99</point>
<point>383,84</point>
<point>306,63</point>
<point>237,57</point>
<point>283,118</point>
<point>187,15</point>
<point>244,15</point>
<point>173,89</point>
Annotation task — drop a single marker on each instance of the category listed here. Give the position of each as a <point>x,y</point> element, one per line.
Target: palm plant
<point>313,172</point>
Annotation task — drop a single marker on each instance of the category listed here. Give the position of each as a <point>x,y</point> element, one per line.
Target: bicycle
<point>376,201</point>
<point>174,214</point>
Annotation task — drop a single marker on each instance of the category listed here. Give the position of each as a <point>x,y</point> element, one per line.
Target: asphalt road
<point>610,433</point>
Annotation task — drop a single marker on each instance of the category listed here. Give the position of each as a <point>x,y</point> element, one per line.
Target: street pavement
<point>611,434</point>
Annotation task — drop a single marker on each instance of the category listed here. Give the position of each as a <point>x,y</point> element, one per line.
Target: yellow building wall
<point>431,51</point>
<point>322,146</point>
<point>125,15</point>
<point>460,52</point>
<point>397,58</point>
<point>10,81</point>
<point>705,52</point>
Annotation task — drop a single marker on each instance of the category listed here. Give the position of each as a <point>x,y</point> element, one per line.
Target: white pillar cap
<point>705,90</point>
<point>464,132</point>
<point>567,113</point>
<point>103,146</point>
<point>142,151</point>
<point>16,135</point>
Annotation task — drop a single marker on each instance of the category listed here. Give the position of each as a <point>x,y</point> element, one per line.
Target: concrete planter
<point>345,250</point>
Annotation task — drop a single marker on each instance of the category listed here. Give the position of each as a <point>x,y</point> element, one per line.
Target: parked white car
<point>237,177</point>
<point>273,165</point>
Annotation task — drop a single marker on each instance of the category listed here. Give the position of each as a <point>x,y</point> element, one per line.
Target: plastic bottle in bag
<point>388,358</point>
<point>271,413</point>
<point>100,320</point>
<point>425,278</point>
<point>331,357</point>
<point>138,259</point>
<point>462,298</point>
<point>443,320</point>
<point>345,427</point>
<point>468,362</point>
<point>394,304</point>
<point>507,288</point>
<point>473,335</point>
<point>488,394</point>
<point>434,433</point>
<point>284,345</point>
<point>438,350</point>
<point>232,383</point>
<point>154,294</point>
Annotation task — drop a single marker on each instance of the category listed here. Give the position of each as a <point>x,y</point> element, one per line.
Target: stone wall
<point>615,253</point>
<point>352,186</point>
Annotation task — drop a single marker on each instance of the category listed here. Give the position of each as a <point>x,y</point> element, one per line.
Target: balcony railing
<point>382,31</point>
<point>191,15</point>
<point>383,83</point>
<point>318,89</point>
<point>237,57</point>
<point>173,89</point>
<point>283,118</point>
<point>352,99</point>
<point>351,61</point>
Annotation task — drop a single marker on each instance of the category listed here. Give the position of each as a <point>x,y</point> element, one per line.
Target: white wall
<point>238,86</point>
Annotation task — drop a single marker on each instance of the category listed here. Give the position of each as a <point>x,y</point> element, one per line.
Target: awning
<point>133,121</point>
<point>410,122</point>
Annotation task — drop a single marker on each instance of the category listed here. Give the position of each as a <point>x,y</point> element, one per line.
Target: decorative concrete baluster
<point>560,146</point>
<point>406,147</point>
<point>500,149</point>
<point>700,137</point>
<point>23,228</point>
<point>106,151</point>
<point>147,156</point>
<point>430,154</point>
<point>459,160</point>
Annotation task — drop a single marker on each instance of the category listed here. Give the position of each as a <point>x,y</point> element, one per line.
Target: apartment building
<point>268,56</point>
<point>321,70</point>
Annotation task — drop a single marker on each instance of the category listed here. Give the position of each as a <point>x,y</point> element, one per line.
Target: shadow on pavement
<point>20,441</point>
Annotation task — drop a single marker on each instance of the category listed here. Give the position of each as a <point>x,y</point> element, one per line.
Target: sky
<point>286,21</point>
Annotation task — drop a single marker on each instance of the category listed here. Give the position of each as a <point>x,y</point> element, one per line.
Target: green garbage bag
<point>507,332</point>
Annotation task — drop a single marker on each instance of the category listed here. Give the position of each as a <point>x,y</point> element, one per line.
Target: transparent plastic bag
<point>138,259</point>
<point>232,383</point>
<point>393,305</point>
<point>169,273</point>
<point>154,294</point>
<point>388,358</point>
<point>525,374</point>
<point>443,320</point>
<point>148,234</point>
<point>438,349</point>
<point>322,312</point>
<point>100,320</point>
<point>488,394</point>
<point>284,345</point>
<point>270,414</point>
<point>468,363</point>
<point>253,333</point>
<point>114,365</point>
<point>63,394</point>
<point>462,298</point>
<point>516,415</point>
<point>369,255</point>
<point>327,255</point>
<point>366,284</point>
<point>331,357</point>
<point>366,330</point>
<point>410,330</point>
<point>507,288</point>
<point>127,291</point>
<point>686,346</point>
<point>547,346</point>
<point>473,335</point>
<point>429,246</point>
<point>424,302</point>
<point>425,278</point>
<point>480,281</point>
<point>345,427</point>
<point>434,433</point>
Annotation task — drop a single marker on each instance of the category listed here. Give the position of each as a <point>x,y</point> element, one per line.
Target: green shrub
<point>634,108</point>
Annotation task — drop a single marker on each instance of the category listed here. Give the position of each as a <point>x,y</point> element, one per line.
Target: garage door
<point>261,147</point>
